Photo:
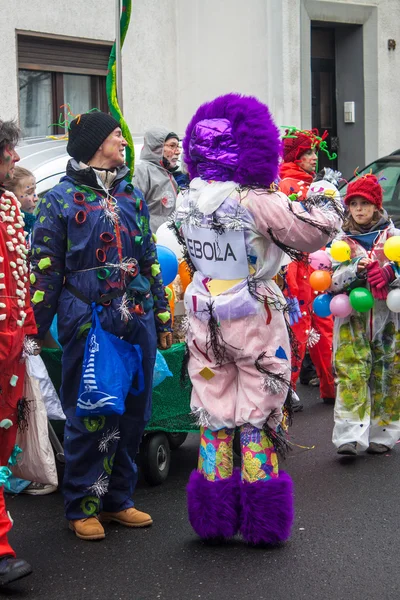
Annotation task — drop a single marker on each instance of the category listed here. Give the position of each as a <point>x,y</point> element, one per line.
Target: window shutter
<point>63,56</point>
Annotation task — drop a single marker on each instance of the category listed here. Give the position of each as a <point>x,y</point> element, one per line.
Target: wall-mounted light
<point>391,44</point>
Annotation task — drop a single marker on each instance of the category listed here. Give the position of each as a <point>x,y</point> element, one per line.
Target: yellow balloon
<point>392,248</point>
<point>340,251</point>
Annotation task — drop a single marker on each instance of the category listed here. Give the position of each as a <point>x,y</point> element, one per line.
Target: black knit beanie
<point>87,132</point>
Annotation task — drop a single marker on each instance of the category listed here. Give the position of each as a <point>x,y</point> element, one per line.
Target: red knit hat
<point>296,143</point>
<point>367,187</point>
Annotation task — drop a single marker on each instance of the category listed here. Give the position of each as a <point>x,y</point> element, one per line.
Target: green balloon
<point>361,299</point>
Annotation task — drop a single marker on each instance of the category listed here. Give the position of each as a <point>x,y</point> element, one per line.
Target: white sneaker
<point>39,489</point>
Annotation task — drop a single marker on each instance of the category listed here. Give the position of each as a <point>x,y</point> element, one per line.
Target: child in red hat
<point>366,344</point>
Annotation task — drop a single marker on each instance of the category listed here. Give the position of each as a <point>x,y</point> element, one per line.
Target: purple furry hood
<point>233,138</point>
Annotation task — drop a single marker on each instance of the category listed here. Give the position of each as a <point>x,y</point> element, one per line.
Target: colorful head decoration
<point>296,143</point>
<point>233,138</point>
<point>368,187</point>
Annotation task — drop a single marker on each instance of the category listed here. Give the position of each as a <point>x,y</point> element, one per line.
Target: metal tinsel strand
<point>272,385</point>
<point>123,309</point>
<point>202,417</point>
<point>30,347</point>
<point>110,211</point>
<point>108,438</point>
<point>100,487</point>
<point>313,338</point>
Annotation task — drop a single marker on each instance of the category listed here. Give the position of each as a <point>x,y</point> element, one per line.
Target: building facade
<point>317,63</point>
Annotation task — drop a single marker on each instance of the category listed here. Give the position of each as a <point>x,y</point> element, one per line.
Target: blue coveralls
<point>69,248</point>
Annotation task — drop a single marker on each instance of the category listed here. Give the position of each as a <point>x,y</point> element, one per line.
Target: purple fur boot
<point>214,506</point>
<point>267,510</point>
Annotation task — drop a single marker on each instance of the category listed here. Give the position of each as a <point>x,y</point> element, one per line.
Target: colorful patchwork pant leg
<point>266,492</point>
<point>213,490</point>
<point>385,387</point>
<point>353,364</point>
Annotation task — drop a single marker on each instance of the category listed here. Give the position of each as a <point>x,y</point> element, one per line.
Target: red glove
<point>379,278</point>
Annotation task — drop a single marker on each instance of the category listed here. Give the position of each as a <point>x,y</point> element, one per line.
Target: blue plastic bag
<point>109,368</point>
<point>161,370</point>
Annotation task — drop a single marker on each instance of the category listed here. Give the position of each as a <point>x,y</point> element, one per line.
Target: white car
<point>47,159</point>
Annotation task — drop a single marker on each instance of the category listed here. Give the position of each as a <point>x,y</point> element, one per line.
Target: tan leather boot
<point>130,517</point>
<point>88,529</point>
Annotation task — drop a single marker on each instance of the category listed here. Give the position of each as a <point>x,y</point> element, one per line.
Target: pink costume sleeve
<point>291,224</point>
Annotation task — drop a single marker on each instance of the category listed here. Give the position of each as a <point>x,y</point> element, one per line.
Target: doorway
<point>323,82</point>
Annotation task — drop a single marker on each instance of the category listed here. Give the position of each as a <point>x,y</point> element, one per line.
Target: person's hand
<point>165,340</point>
<point>294,310</point>
<point>379,279</point>
<point>378,276</point>
<point>363,264</point>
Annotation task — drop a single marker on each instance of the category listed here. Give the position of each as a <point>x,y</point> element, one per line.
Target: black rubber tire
<point>176,439</point>
<point>156,458</point>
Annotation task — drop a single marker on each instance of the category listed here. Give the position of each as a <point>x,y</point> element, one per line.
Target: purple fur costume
<point>236,228</point>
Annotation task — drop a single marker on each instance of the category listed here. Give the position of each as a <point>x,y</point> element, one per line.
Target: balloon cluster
<point>341,305</point>
<point>359,299</point>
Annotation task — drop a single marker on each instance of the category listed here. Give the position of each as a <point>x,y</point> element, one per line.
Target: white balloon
<point>393,300</point>
<point>166,237</point>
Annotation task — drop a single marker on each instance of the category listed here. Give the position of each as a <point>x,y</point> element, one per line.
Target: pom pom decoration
<point>391,248</point>
<point>166,237</point>
<point>340,251</point>
<point>168,263</point>
<point>320,281</point>
<point>340,306</point>
<point>393,300</point>
<point>361,299</point>
<point>320,260</point>
<point>321,305</point>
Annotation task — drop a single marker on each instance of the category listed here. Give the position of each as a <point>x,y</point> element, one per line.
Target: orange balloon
<point>320,281</point>
<point>184,274</point>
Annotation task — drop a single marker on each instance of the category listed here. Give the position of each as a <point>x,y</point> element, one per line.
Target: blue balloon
<point>321,305</point>
<point>168,263</point>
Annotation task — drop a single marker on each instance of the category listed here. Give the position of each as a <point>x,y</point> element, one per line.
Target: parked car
<point>388,170</point>
<point>47,159</point>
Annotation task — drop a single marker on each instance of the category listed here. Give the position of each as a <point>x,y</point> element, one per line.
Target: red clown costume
<point>311,332</point>
<point>16,322</point>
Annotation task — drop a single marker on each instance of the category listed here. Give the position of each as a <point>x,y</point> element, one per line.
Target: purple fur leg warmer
<point>214,505</point>
<point>267,510</point>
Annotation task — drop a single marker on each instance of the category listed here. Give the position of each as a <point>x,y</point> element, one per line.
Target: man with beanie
<point>91,244</point>
<point>311,332</point>
<point>154,175</point>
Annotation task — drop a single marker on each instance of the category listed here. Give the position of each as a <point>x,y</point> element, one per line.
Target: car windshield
<point>388,173</point>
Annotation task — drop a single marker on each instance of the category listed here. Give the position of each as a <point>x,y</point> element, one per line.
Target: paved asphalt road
<point>345,542</point>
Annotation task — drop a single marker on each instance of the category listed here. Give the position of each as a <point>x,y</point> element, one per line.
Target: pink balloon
<point>340,306</point>
<point>320,261</point>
